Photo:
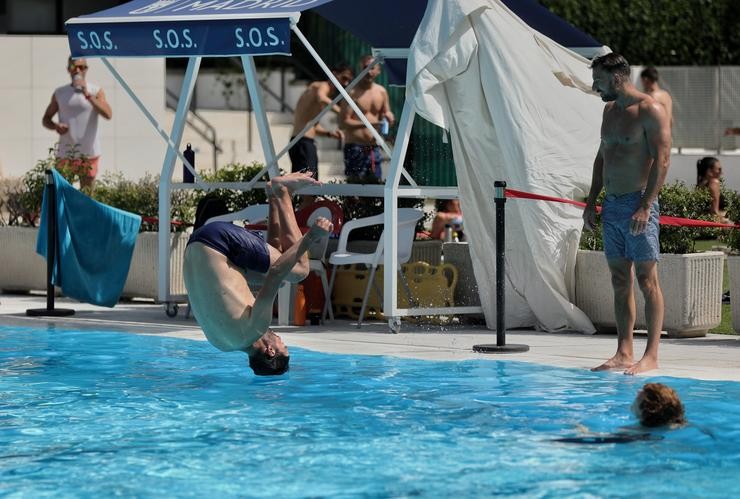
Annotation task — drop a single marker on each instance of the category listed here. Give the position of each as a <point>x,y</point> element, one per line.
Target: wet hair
<point>659,405</point>
<point>703,166</point>
<point>262,365</point>
<point>612,63</point>
<point>341,67</point>
<point>650,74</point>
<point>208,207</point>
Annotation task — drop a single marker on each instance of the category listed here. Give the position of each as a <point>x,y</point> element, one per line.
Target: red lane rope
<point>664,219</point>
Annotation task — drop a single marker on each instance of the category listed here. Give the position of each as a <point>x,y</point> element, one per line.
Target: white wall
<point>683,167</point>
<point>36,65</point>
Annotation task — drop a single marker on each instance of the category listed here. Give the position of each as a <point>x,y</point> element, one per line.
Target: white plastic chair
<point>407,219</point>
<point>251,214</point>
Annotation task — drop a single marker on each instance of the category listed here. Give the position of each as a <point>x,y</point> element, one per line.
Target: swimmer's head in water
<point>268,356</point>
<point>610,72</point>
<point>658,405</point>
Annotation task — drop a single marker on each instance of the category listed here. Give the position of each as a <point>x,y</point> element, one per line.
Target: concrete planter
<point>24,270</point>
<point>733,267</point>
<point>691,284</point>
<point>143,273</point>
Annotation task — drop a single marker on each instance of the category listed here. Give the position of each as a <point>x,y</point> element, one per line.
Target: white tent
<point>519,108</point>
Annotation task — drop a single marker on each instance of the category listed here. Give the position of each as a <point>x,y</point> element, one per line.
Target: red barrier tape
<point>664,219</point>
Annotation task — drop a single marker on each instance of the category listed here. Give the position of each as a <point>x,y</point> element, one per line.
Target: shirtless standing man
<point>221,255</point>
<point>631,165</point>
<point>362,156</point>
<point>315,98</point>
<point>649,78</point>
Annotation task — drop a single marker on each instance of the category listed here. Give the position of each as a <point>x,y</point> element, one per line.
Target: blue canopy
<point>187,28</point>
<point>393,24</point>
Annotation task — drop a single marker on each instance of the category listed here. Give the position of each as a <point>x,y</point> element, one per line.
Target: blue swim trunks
<point>363,161</point>
<point>244,248</point>
<point>616,215</point>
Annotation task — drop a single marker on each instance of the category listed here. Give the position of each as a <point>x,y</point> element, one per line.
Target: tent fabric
<point>519,108</point>
<point>95,245</point>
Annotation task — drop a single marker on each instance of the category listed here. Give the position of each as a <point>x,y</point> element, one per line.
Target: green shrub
<point>731,237</point>
<point>142,197</point>
<point>21,200</point>
<point>235,199</point>
<point>676,200</point>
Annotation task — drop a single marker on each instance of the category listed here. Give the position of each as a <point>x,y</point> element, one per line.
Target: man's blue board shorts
<point>244,248</point>
<point>616,216</point>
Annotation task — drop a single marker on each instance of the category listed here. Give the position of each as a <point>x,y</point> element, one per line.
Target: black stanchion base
<point>49,312</point>
<point>500,349</point>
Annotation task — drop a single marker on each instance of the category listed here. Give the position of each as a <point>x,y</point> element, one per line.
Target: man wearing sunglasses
<point>77,106</point>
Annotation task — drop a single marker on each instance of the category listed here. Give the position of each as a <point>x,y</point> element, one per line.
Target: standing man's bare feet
<point>619,361</point>
<point>645,364</point>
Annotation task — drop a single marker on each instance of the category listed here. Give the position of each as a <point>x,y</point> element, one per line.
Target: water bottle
<point>187,176</point>
<point>448,233</point>
<point>76,79</point>
<point>385,127</point>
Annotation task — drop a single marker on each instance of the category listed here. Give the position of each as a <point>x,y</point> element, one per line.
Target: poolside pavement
<point>714,357</point>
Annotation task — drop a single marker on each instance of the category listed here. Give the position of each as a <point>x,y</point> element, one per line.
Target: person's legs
<point>647,278</point>
<point>283,231</point>
<point>624,312</point>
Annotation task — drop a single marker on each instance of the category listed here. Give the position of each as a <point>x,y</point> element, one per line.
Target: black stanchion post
<point>187,175</point>
<point>500,347</point>
<point>51,253</point>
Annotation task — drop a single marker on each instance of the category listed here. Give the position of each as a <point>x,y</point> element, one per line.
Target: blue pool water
<point>92,414</point>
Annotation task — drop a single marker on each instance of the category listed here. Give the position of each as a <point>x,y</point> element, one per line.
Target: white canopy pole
<point>260,115</point>
<point>165,179</point>
<point>268,149</point>
<point>390,263</point>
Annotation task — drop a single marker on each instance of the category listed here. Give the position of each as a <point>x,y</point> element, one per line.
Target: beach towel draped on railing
<point>95,243</point>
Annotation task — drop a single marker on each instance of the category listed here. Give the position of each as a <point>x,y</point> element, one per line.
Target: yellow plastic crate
<point>430,285</point>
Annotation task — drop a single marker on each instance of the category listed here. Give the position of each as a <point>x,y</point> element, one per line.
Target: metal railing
<point>199,125</point>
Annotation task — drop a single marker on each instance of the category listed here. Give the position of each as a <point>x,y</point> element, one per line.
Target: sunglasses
<point>80,67</point>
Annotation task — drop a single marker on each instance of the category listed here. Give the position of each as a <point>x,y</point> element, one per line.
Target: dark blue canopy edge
<point>186,28</point>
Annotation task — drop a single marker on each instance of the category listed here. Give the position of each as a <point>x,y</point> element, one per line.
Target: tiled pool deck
<point>715,357</point>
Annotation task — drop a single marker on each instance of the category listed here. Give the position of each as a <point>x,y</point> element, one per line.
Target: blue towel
<point>96,243</point>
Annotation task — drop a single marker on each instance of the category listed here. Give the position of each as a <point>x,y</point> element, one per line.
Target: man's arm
<point>658,134</point>
<point>323,94</point>
<point>597,183</point>
<point>100,104</point>
<point>261,315</point>
<point>387,108</point>
<point>48,122</point>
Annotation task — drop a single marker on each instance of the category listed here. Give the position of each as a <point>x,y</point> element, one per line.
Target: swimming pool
<point>105,413</point>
